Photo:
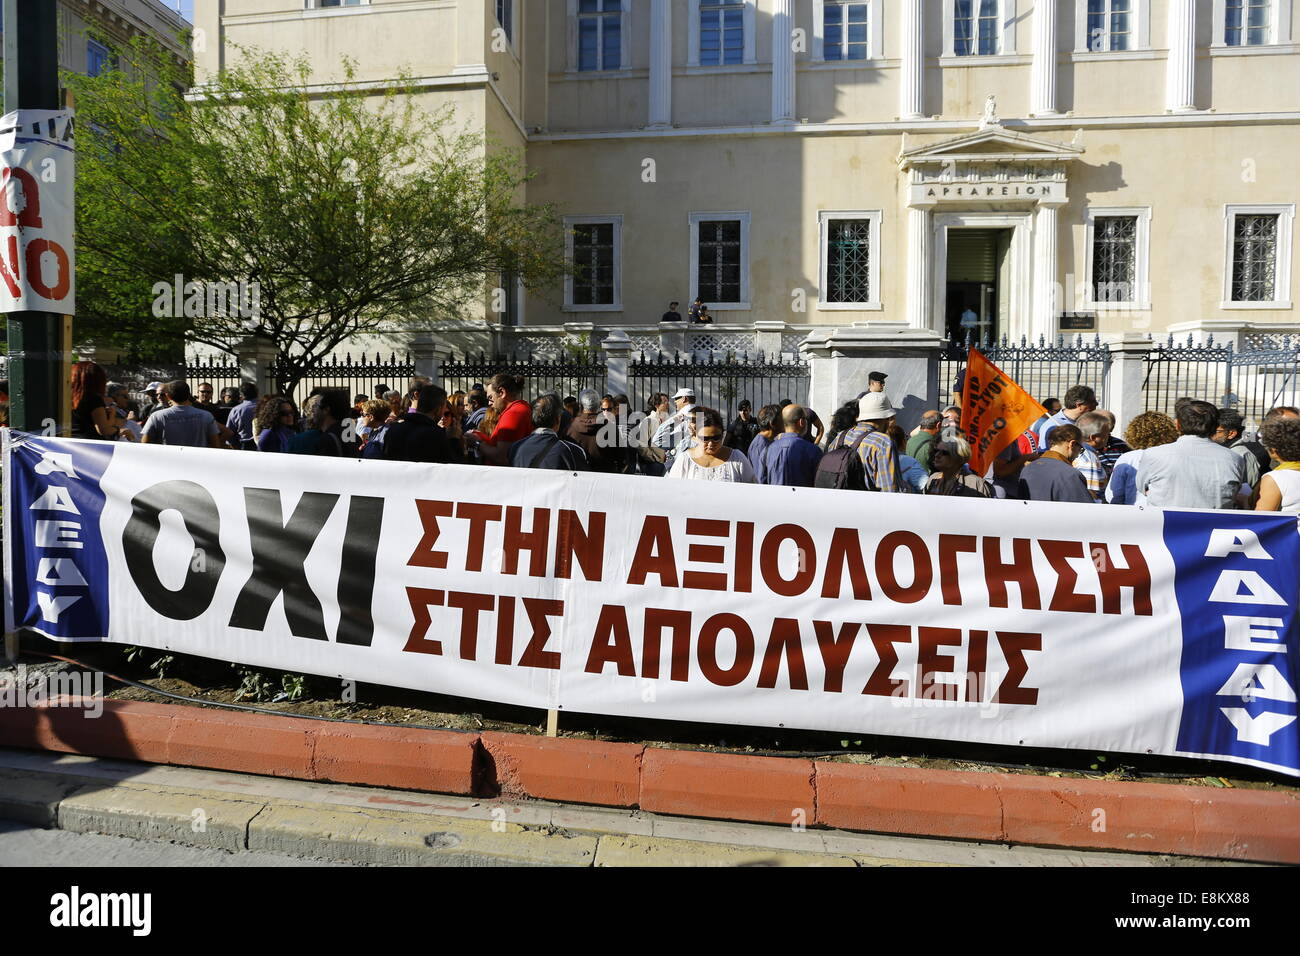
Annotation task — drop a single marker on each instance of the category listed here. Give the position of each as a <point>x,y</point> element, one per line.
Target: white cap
<point>154,387</point>
<point>684,393</point>
<point>874,407</point>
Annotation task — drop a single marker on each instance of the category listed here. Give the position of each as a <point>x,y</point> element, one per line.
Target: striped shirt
<point>1093,471</point>
<point>879,456</point>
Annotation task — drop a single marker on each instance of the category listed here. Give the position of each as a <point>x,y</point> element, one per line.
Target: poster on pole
<point>37,178</point>
<point>1092,627</point>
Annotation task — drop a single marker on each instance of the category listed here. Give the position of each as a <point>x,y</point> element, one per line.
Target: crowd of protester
<point>1199,458</point>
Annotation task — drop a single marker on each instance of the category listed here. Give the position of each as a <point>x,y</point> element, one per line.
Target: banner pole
<point>11,647</point>
<point>552,723</point>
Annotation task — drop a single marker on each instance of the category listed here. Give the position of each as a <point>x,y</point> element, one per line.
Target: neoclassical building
<point>1013,167</point>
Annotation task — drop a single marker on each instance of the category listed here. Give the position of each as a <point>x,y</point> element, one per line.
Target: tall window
<point>600,34</point>
<point>506,17</point>
<point>1110,25</point>
<point>97,58</point>
<point>718,275</point>
<point>593,264</point>
<point>845,30</point>
<point>848,260</point>
<point>1247,22</point>
<point>975,27</point>
<point>1115,259</point>
<point>722,32</point>
<point>1254,258</point>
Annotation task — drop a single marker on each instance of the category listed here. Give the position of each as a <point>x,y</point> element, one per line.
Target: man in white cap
<point>674,435</point>
<point>870,438</point>
<point>156,401</point>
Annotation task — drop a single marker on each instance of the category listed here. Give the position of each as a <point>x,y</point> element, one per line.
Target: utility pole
<point>37,343</point>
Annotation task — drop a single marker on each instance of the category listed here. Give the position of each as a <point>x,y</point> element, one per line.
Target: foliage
<point>348,213</point>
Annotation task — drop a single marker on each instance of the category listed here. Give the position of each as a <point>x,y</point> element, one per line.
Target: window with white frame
<point>1118,251</point>
<point>720,259</point>
<point>506,18</point>
<point>98,59</point>
<point>1110,25</point>
<point>1248,22</point>
<point>1258,267</point>
<point>594,253</point>
<point>850,260</point>
<point>976,28</point>
<point>845,30</point>
<point>600,35</point>
<point>721,32</point>
<point>323,4</point>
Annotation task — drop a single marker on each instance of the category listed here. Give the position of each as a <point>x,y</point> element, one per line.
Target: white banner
<point>37,243</point>
<point>1094,627</point>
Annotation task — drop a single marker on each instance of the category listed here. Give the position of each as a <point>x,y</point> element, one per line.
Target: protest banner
<point>37,177</point>
<point>995,411</point>
<point>1104,628</point>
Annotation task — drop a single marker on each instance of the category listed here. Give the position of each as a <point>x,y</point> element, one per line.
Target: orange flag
<point>995,411</point>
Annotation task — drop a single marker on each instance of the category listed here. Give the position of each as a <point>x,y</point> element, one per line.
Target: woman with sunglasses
<point>950,475</point>
<point>709,459</point>
<point>275,423</point>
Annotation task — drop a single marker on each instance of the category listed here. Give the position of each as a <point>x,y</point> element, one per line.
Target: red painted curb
<point>405,758</point>
<point>564,769</point>
<point>999,807</point>
<point>727,786</point>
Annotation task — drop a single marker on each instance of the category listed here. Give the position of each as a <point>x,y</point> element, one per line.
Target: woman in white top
<point>1279,490</point>
<point>709,459</point>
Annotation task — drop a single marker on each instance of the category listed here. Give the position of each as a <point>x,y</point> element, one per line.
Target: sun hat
<point>684,393</point>
<point>874,407</point>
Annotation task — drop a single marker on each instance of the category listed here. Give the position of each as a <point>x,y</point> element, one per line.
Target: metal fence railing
<point>1264,376</point>
<point>220,371</point>
<point>565,376</point>
<point>1176,370</point>
<point>720,383</point>
<point>1046,370</point>
<point>356,377</point>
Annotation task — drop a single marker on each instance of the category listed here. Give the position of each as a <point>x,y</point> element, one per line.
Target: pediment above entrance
<point>992,164</point>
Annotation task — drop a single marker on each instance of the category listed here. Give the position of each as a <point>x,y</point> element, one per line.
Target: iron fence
<point>1201,371</point>
<point>1046,370</point>
<point>1262,376</point>
<point>565,376</point>
<point>359,377</point>
<point>720,384</point>
<point>220,371</point>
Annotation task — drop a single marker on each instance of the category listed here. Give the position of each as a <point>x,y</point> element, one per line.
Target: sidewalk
<point>315,821</point>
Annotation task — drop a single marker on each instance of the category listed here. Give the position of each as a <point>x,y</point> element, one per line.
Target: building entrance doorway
<point>977,283</point>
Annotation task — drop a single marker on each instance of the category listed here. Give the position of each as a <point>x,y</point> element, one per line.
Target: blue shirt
<point>1060,418</point>
<point>792,461</point>
<point>757,456</point>
<point>241,420</point>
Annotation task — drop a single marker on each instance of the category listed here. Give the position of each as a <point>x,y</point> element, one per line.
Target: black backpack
<point>842,468</point>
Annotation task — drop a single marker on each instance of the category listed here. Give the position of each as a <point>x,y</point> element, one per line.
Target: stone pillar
<point>661,64</point>
<point>672,337</point>
<point>918,267</point>
<point>1047,298</point>
<point>783,62</point>
<point>839,362</point>
<point>618,353</point>
<point>430,351</point>
<point>1127,372</point>
<point>1043,76</point>
<point>1180,82</point>
<point>257,363</point>
<point>767,341</point>
<point>911,102</point>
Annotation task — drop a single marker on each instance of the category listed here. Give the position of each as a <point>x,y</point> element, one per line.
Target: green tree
<point>347,212</point>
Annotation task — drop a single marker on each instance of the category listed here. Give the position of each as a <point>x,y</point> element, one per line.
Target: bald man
<point>791,460</point>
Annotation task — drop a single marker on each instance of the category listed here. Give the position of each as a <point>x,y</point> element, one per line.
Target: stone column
<point>1047,298</point>
<point>783,62</point>
<point>767,341</point>
<point>1043,77</point>
<point>618,353</point>
<point>918,267</point>
<point>430,351</point>
<point>256,363</point>
<point>1180,82</point>
<point>672,337</point>
<point>661,64</point>
<point>839,362</point>
<point>911,102</point>
<point>1127,372</point>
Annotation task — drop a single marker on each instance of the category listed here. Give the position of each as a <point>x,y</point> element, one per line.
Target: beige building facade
<point>998,167</point>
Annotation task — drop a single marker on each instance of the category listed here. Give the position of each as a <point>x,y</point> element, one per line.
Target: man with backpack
<point>864,458</point>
